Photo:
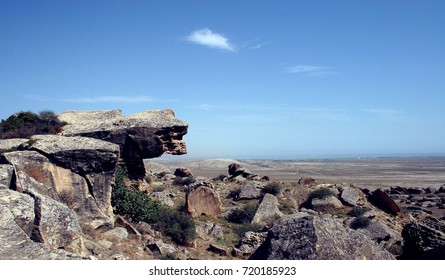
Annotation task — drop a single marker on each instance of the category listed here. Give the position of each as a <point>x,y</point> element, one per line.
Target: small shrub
<point>27,124</point>
<point>273,188</point>
<point>358,211</point>
<point>360,222</point>
<point>245,215</point>
<point>286,207</point>
<point>321,193</point>
<point>240,230</point>
<point>234,194</point>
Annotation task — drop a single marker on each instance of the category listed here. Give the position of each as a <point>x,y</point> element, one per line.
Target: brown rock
<point>183,172</point>
<point>217,250</point>
<point>306,181</point>
<point>203,201</point>
<point>381,200</point>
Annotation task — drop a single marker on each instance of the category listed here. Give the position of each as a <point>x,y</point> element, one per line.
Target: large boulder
<point>250,190</point>
<point>203,201</point>
<point>301,236</point>
<point>382,200</point>
<point>424,239</point>
<point>251,241</point>
<point>267,211</point>
<point>351,195</point>
<point>10,145</point>
<point>37,227</point>
<point>326,204</point>
<point>6,173</point>
<point>235,170</point>
<point>89,195</point>
<point>143,135</point>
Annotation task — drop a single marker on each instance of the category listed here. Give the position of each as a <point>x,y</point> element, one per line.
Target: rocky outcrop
<point>143,135</point>
<point>203,201</point>
<point>183,172</point>
<point>9,145</point>
<point>37,227</point>
<point>424,239</point>
<point>267,211</point>
<point>6,173</point>
<point>351,195</point>
<point>301,236</point>
<point>384,202</point>
<point>306,181</point>
<point>251,241</point>
<point>326,204</point>
<point>250,190</point>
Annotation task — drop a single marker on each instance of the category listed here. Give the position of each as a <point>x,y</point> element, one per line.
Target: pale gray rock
<point>6,173</point>
<point>251,241</point>
<point>250,190</point>
<point>351,195</point>
<point>7,145</point>
<point>326,204</point>
<point>164,249</point>
<point>165,197</point>
<point>267,211</point>
<point>116,235</point>
<point>209,230</point>
<point>377,231</point>
<point>105,244</point>
<point>144,135</point>
<point>22,208</point>
<point>301,236</point>
<point>154,168</point>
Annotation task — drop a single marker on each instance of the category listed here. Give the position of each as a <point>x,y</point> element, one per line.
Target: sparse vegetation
<point>273,188</point>
<point>321,193</point>
<point>26,124</point>
<point>137,206</point>
<point>245,215</point>
<point>234,194</point>
<point>360,222</point>
<point>358,211</point>
<point>243,228</point>
<point>183,181</point>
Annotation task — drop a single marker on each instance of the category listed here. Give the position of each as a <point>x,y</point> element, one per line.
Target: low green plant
<point>241,229</point>
<point>358,211</point>
<point>244,215</point>
<point>137,206</point>
<point>321,193</point>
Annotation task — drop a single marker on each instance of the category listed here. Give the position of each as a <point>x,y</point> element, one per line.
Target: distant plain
<point>371,173</point>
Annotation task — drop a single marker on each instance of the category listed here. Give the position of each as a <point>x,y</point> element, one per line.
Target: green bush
<point>321,193</point>
<point>27,124</point>
<point>245,215</point>
<point>243,228</point>
<point>273,188</point>
<point>137,206</point>
<point>360,222</point>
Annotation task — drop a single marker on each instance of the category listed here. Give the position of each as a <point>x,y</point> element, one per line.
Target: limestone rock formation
<point>384,202</point>
<point>6,172</point>
<point>143,135</point>
<point>301,236</point>
<point>9,145</point>
<point>203,201</point>
<point>251,241</point>
<point>267,211</point>
<point>250,190</point>
<point>183,172</point>
<point>326,204</point>
<point>235,170</point>
<point>351,195</point>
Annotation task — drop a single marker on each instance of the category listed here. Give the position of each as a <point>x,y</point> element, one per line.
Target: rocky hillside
<point>86,194</point>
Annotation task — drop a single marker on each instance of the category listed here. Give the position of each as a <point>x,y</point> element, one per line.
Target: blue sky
<point>254,79</point>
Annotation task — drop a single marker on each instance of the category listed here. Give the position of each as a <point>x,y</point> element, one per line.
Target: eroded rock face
<point>11,144</point>
<point>6,172</point>
<point>203,201</point>
<point>267,211</point>
<point>143,135</point>
<point>384,202</point>
<point>301,236</point>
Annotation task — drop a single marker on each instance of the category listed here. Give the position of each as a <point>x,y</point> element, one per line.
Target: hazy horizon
<point>254,79</point>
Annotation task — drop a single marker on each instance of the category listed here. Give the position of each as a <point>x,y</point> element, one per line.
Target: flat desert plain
<point>371,173</point>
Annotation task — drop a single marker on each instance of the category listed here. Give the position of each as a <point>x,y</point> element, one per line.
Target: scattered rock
<point>431,190</point>
<point>351,195</point>
<point>250,190</point>
<point>377,231</point>
<point>424,239</point>
<point>203,201</point>
<point>306,181</point>
<point>183,172</point>
<point>251,241</point>
<point>165,197</point>
<point>301,236</point>
<point>267,211</point>
<point>164,249</point>
<point>116,235</point>
<point>105,244</point>
<point>413,191</point>
<point>326,204</point>
<point>209,230</point>
<point>237,170</point>
<point>219,250</point>
<point>381,200</point>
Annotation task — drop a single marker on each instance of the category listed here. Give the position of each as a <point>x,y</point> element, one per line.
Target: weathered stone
<point>384,202</point>
<point>164,249</point>
<point>301,236</point>
<point>326,204</point>
<point>9,145</point>
<point>6,173</point>
<point>377,231</point>
<point>219,250</point>
<point>413,191</point>
<point>250,190</point>
<point>203,201</point>
<point>351,195</point>
<point>105,244</point>
<point>143,135</point>
<point>235,170</point>
<point>22,208</point>
<point>117,234</point>
<point>424,239</point>
<point>89,196</point>
<point>165,197</point>
<point>155,168</point>
<point>209,230</point>
<point>306,181</point>
<point>128,226</point>
<point>267,211</point>
<point>251,241</point>
<point>80,154</point>
<point>183,172</point>
<point>431,190</point>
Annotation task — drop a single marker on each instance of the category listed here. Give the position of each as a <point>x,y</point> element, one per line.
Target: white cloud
<point>111,99</point>
<point>210,39</point>
<point>311,70</point>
